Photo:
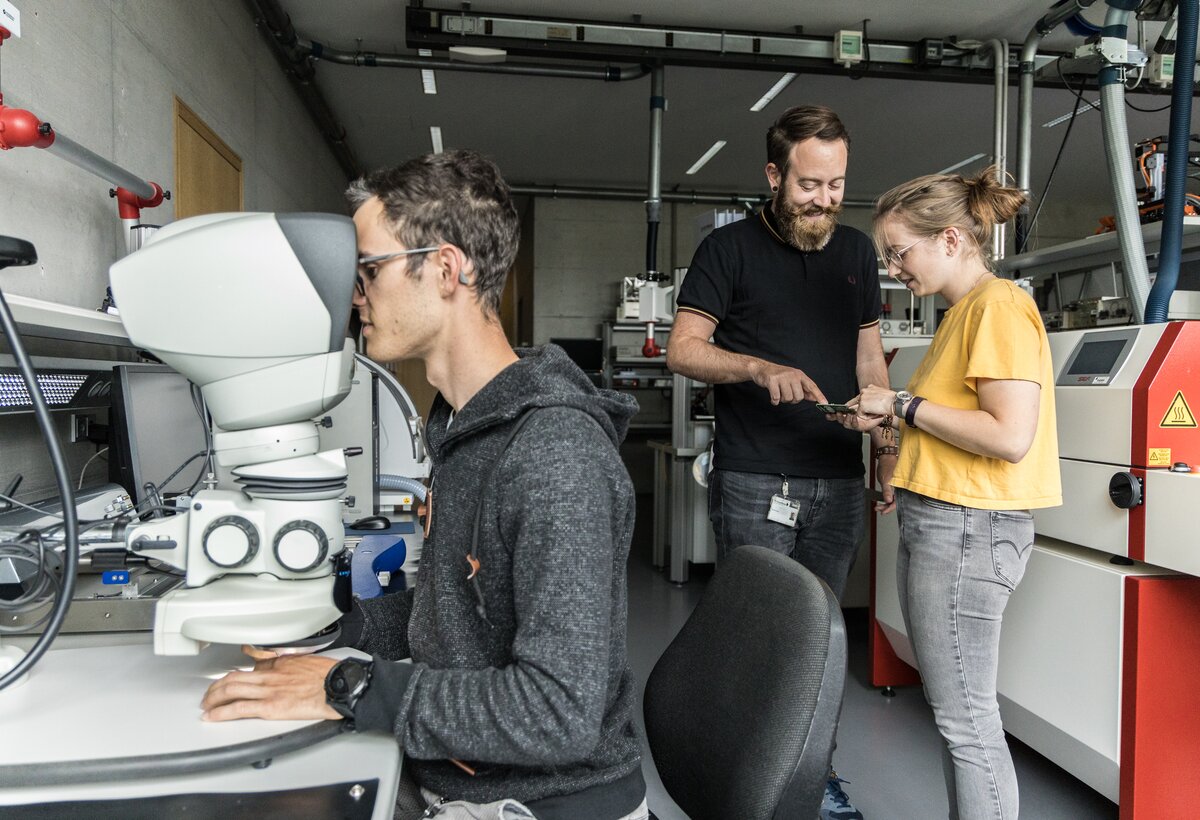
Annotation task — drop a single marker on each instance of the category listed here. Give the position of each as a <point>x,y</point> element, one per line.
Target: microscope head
<point>252,307</point>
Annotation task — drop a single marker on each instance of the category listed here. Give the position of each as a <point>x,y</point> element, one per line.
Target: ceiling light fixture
<point>781,84</point>
<point>428,83</point>
<point>435,137</point>
<point>1059,120</point>
<point>709,154</point>
<point>958,165</point>
<point>477,54</point>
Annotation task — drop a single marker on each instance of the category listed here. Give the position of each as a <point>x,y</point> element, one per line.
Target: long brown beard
<point>801,233</point>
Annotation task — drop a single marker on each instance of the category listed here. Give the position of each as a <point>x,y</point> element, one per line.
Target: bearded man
<point>779,312</point>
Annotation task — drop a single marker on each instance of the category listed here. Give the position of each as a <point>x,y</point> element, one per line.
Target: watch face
<point>346,681</point>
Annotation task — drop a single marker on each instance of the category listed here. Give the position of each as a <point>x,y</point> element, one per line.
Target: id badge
<point>784,510</point>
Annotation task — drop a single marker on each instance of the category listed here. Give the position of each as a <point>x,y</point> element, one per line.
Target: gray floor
<point>888,748</point>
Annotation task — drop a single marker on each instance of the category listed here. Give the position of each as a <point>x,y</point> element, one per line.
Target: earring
<point>774,188</point>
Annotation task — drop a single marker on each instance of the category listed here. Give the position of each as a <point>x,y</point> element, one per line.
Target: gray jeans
<point>827,532</point>
<point>956,568</point>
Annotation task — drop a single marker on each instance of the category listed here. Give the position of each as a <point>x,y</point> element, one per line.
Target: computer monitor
<point>153,428</point>
<point>587,353</point>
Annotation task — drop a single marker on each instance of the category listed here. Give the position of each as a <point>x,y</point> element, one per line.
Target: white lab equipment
<point>252,308</point>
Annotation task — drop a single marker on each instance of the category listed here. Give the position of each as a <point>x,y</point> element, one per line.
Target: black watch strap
<point>910,415</point>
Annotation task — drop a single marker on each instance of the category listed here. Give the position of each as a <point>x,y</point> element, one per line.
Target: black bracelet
<point>910,413</point>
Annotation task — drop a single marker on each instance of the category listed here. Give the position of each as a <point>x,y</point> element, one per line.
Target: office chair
<point>742,708</point>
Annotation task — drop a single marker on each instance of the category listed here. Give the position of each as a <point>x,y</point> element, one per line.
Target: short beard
<point>800,232</point>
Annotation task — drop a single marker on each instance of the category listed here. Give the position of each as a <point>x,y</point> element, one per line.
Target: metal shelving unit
<point>1093,252</point>
<point>35,317</point>
<point>648,380</point>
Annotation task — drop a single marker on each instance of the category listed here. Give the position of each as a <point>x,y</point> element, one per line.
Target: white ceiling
<point>580,132</point>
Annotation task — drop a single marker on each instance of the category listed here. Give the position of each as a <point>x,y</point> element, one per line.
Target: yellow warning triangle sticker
<point>1178,414</point>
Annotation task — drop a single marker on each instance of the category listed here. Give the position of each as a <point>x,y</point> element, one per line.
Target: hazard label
<point>1178,414</point>
<point>1159,457</point>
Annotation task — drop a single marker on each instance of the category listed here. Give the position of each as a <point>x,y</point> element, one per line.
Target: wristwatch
<point>902,397</point>
<point>345,684</point>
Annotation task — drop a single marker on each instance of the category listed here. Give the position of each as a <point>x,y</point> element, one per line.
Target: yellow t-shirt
<point>994,332</point>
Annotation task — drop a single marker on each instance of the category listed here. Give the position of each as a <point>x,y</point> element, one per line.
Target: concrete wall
<point>105,74</point>
<point>582,250</point>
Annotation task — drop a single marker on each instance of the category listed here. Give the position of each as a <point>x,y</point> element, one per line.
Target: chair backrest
<point>742,708</point>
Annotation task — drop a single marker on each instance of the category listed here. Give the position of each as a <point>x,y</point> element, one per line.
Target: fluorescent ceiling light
<point>958,165</point>
<point>765,99</point>
<point>709,154</point>
<point>435,137</point>
<point>428,83</point>
<point>1057,120</point>
<point>477,54</point>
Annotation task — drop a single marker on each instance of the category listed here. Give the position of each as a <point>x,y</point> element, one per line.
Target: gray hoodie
<point>541,702</point>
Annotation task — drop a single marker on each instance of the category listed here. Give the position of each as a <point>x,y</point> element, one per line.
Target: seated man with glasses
<point>518,700</point>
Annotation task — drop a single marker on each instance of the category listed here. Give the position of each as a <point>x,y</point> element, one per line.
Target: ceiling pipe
<point>553,36</point>
<point>658,104</point>
<point>999,50</point>
<point>639,195</point>
<point>1117,153</point>
<point>1059,12</point>
<point>276,28</point>
<point>371,59</point>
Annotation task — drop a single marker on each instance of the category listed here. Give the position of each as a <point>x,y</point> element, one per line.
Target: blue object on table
<point>376,554</point>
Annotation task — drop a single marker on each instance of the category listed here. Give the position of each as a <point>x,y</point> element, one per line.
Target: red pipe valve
<point>129,204</point>
<point>22,129</point>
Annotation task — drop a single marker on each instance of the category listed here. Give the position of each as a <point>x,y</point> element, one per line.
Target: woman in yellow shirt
<point>978,450</point>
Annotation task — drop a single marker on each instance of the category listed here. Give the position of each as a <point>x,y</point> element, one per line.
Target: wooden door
<point>208,173</point>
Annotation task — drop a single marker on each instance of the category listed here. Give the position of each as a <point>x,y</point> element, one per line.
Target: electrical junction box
<point>1162,69</point>
<point>930,52</point>
<point>848,47</point>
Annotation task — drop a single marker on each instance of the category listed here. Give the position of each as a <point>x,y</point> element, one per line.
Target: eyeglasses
<point>894,257</point>
<point>368,266</point>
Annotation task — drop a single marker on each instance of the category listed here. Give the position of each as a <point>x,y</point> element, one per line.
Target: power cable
<point>1057,158</point>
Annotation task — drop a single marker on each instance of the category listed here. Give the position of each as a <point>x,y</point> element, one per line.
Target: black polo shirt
<point>795,308</point>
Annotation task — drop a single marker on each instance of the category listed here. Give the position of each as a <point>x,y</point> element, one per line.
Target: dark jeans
<point>827,532</point>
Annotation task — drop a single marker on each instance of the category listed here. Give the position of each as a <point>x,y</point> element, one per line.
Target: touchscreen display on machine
<point>1097,358</point>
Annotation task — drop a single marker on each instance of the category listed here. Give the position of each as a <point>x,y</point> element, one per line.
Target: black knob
<point>1181,467</point>
<point>1125,490</point>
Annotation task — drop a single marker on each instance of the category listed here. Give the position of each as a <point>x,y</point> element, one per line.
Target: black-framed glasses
<point>368,265</point>
<point>893,257</point>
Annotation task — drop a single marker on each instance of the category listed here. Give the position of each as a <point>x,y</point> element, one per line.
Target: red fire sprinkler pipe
<point>23,129</point>
<point>650,348</point>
